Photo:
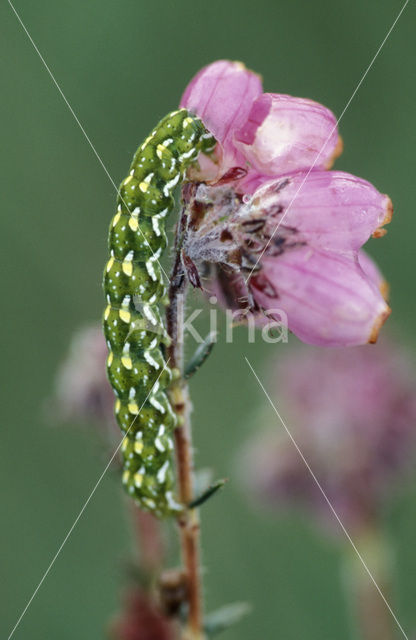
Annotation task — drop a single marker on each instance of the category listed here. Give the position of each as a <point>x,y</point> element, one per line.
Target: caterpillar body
<point>134,288</point>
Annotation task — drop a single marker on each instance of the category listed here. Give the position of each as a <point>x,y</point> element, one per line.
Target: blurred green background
<point>122,65</point>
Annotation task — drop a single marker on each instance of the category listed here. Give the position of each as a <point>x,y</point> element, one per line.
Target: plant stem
<point>372,617</point>
<point>188,521</point>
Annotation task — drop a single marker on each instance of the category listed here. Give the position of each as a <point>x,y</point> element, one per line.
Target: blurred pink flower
<point>352,413</point>
<point>141,620</point>
<point>82,390</point>
<point>275,227</point>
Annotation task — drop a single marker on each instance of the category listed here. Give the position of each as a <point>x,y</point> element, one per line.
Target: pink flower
<point>222,94</point>
<point>352,413</point>
<point>278,232</point>
<point>82,389</point>
<point>141,620</point>
<point>284,134</point>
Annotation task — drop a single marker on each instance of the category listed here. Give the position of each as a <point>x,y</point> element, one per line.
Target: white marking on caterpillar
<point>161,474</point>
<point>171,183</point>
<point>158,442</point>
<point>187,154</point>
<point>157,404</point>
<point>148,313</point>
<point>151,360</point>
<point>150,269</point>
<point>156,225</point>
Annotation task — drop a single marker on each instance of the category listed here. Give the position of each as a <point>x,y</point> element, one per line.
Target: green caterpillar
<point>134,288</point>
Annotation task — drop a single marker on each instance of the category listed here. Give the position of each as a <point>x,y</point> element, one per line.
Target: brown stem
<point>372,616</point>
<point>188,521</point>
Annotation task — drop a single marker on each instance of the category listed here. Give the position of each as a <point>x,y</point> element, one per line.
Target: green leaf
<point>201,354</point>
<point>205,495</point>
<point>225,617</point>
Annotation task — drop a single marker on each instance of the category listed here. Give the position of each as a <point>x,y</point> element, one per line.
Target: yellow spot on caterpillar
<point>116,218</point>
<point>124,444</point>
<point>127,180</point>
<point>160,149</point>
<point>127,267</point>
<point>186,122</point>
<point>138,447</point>
<point>138,479</point>
<point>126,362</point>
<point>110,359</point>
<point>125,315</point>
<point>143,186</point>
<point>110,264</point>
<point>133,223</point>
<point>133,408</point>
<point>107,311</point>
<point>117,406</point>
<point>126,476</point>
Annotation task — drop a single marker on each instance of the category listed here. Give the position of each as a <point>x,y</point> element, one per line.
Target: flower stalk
<point>370,614</point>
<point>188,519</point>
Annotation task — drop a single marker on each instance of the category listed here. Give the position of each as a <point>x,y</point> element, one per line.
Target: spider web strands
<point>84,506</point>
<point>329,503</point>
<point>330,134</point>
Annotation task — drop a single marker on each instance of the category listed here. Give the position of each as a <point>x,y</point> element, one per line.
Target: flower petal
<point>222,94</point>
<point>372,272</point>
<point>331,209</point>
<point>328,299</point>
<point>284,134</point>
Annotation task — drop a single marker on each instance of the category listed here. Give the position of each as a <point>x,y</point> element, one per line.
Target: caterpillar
<point>134,289</point>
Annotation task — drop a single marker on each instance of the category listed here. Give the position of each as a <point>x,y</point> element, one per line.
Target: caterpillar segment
<point>134,289</point>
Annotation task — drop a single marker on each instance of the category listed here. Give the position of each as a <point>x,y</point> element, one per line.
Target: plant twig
<point>370,614</point>
<point>188,520</point>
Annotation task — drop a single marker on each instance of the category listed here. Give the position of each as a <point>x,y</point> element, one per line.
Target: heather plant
<point>265,228</point>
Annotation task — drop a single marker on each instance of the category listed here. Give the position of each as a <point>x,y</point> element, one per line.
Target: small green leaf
<point>201,354</point>
<point>205,495</point>
<point>225,617</point>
